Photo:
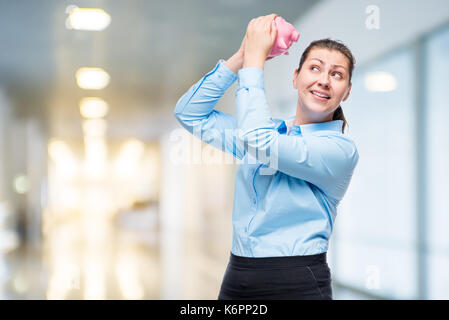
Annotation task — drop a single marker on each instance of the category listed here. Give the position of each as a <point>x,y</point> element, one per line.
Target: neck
<point>304,118</point>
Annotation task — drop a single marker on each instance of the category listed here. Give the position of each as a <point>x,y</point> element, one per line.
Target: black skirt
<point>286,277</point>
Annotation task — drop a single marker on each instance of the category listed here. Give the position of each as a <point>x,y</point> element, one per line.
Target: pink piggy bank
<point>284,39</point>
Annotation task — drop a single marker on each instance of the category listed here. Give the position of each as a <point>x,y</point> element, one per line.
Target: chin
<point>318,113</point>
<point>318,109</point>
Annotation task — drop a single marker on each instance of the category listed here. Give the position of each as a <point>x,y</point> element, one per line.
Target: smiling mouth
<point>320,96</point>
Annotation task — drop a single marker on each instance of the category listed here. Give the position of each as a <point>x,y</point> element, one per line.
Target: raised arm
<point>324,158</point>
<point>195,109</point>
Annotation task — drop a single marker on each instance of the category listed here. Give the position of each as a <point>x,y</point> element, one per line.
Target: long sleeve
<point>326,159</point>
<point>195,111</point>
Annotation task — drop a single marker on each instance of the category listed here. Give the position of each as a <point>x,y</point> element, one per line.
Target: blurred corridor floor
<point>123,267</point>
<point>117,271</point>
<point>134,273</point>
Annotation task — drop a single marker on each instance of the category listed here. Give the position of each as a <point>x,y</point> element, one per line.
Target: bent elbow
<point>178,116</point>
<point>178,113</point>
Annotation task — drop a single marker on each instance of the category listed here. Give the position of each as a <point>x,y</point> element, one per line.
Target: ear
<point>295,75</point>
<point>348,91</point>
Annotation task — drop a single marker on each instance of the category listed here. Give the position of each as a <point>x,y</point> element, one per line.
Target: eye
<point>338,74</point>
<point>311,68</point>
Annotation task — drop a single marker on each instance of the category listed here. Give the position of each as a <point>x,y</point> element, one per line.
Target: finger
<point>261,24</point>
<point>251,26</point>
<point>274,30</point>
<point>251,22</point>
<point>270,18</point>
<point>261,20</point>
<point>265,22</point>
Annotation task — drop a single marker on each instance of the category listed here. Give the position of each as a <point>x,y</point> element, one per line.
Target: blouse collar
<point>284,126</point>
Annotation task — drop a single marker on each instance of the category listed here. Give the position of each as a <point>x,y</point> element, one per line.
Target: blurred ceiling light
<point>92,78</point>
<point>92,107</point>
<point>21,184</point>
<point>380,82</point>
<point>94,127</point>
<point>92,19</point>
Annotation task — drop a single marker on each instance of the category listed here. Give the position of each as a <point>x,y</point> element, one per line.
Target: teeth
<point>320,94</point>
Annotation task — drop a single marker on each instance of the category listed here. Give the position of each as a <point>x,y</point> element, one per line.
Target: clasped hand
<point>259,39</point>
<point>256,44</point>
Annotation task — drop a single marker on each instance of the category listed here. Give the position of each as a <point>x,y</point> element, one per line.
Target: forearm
<point>253,112</point>
<point>199,101</point>
<point>235,63</point>
<point>195,111</point>
<point>239,60</point>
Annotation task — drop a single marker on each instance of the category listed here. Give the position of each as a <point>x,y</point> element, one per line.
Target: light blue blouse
<point>290,178</point>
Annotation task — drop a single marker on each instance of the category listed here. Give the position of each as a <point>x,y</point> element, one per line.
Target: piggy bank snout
<point>294,36</point>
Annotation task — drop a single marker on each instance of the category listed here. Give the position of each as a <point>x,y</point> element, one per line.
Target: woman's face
<point>322,84</point>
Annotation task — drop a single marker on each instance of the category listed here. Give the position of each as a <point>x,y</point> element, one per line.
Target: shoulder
<point>340,143</point>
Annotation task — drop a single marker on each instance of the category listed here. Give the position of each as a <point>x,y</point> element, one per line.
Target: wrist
<point>253,61</point>
<point>235,63</point>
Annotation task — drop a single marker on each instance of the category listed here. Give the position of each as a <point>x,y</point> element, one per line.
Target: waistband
<point>277,262</point>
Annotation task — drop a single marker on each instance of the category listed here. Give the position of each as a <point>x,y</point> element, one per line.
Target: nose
<point>323,81</point>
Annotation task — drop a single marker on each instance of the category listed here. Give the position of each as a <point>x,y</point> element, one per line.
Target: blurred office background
<point>104,196</point>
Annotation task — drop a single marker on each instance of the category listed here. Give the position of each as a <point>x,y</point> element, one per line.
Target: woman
<point>285,202</point>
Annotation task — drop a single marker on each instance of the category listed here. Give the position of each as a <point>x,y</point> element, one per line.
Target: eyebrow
<point>333,65</point>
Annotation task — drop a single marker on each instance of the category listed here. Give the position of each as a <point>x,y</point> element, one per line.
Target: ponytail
<point>339,115</point>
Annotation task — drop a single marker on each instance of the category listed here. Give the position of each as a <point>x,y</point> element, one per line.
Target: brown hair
<point>332,45</point>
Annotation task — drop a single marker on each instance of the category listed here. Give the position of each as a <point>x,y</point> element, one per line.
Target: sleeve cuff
<point>222,76</point>
<point>251,78</point>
